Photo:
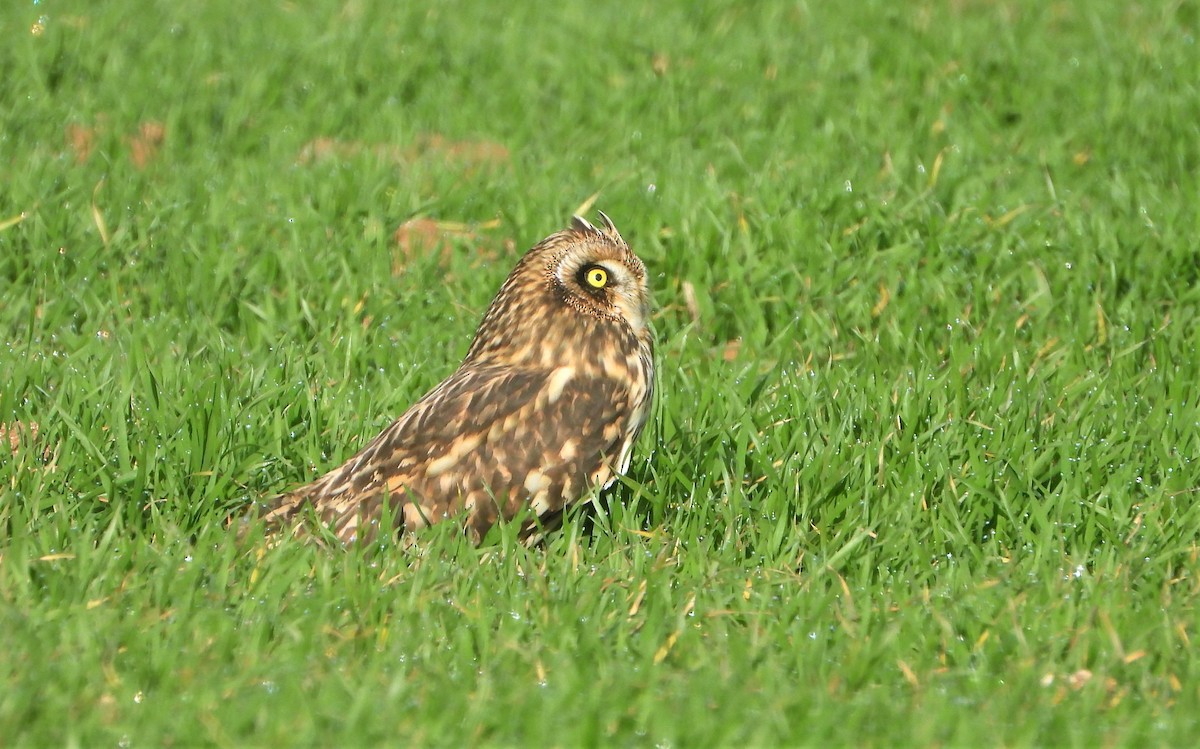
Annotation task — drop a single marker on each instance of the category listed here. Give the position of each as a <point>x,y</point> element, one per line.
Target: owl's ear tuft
<point>583,226</point>
<point>609,230</point>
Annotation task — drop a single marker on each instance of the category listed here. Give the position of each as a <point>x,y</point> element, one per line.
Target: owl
<point>547,405</point>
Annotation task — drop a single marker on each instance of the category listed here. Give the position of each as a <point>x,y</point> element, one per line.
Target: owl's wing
<point>485,443</point>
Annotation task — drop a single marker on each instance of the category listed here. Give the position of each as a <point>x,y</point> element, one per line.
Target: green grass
<point>925,464</point>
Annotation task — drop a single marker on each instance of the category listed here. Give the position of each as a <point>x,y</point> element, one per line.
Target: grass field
<point>925,464</point>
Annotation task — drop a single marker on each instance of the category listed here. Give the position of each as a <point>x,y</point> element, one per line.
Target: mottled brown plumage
<point>547,404</point>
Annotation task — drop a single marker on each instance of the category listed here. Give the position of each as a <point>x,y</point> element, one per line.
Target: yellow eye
<point>596,277</point>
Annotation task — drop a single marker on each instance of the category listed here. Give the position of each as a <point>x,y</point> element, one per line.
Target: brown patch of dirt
<point>324,149</point>
<point>732,349</point>
<point>13,432</point>
<point>145,144</point>
<point>22,435</point>
<point>81,140</point>
<point>423,236</point>
<point>462,153</point>
<point>465,152</point>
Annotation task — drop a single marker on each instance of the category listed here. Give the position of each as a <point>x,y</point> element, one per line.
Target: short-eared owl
<point>547,404</point>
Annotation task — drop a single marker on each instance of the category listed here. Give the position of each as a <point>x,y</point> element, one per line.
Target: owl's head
<point>578,283</point>
<point>595,273</point>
